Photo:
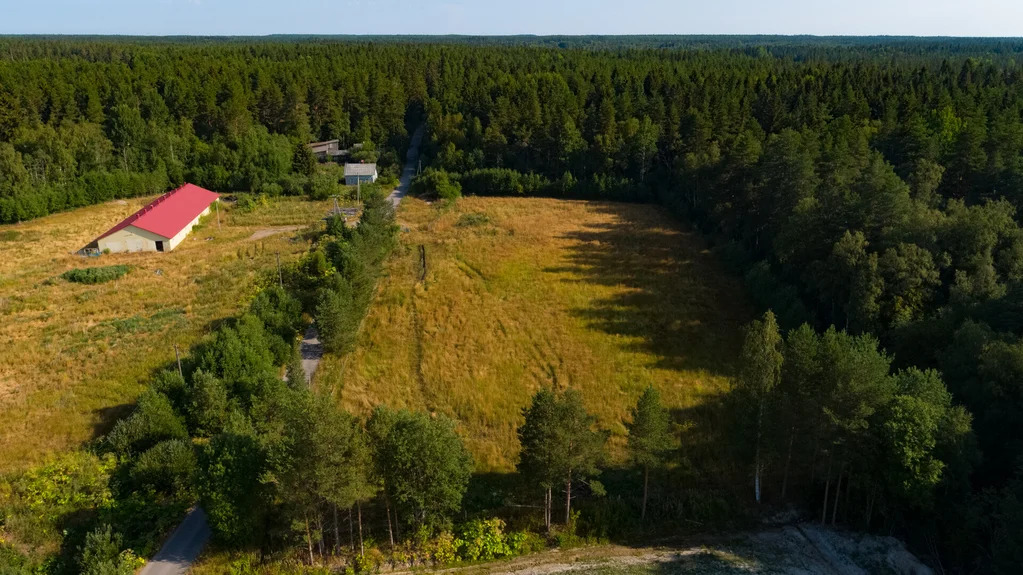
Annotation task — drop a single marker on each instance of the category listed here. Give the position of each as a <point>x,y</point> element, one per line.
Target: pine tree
<point>650,437</point>
<point>559,444</point>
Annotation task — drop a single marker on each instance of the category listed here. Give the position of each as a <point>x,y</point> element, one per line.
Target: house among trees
<point>355,173</point>
<point>159,226</point>
<point>328,150</point>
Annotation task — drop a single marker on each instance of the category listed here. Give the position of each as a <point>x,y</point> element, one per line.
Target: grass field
<point>75,356</point>
<point>522,293</point>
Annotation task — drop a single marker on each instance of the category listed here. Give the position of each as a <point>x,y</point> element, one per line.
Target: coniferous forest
<point>869,192</point>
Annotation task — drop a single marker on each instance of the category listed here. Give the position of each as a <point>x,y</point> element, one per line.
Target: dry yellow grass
<point>75,356</point>
<point>606,298</point>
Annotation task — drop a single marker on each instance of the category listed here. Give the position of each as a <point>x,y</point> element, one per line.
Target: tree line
<point>876,195</point>
<point>865,184</point>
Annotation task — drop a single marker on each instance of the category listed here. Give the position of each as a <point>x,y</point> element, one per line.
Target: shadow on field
<point>677,299</point>
<point>104,418</point>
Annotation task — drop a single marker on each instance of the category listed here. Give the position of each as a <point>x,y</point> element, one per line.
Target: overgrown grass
<point>96,275</point>
<point>607,298</point>
<point>474,219</point>
<point>76,356</point>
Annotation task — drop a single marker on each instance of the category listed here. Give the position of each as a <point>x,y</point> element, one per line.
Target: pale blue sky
<point>258,17</point>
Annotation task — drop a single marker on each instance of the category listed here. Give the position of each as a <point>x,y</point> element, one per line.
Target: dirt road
<point>189,539</point>
<point>411,166</point>
<point>182,548</point>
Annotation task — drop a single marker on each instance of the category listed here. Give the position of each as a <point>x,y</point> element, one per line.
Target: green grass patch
<point>96,275</point>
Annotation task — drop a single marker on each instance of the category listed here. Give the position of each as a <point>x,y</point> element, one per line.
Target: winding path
<point>182,547</point>
<point>190,538</point>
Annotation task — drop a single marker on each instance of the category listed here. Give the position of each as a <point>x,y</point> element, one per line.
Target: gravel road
<point>189,539</point>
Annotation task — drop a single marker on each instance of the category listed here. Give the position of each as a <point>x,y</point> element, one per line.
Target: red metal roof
<point>170,213</point>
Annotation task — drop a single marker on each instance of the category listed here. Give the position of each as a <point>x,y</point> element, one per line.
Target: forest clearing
<point>77,355</point>
<point>607,298</point>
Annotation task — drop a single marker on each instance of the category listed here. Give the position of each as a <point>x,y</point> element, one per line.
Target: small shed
<point>355,173</point>
<point>159,226</point>
<point>324,150</point>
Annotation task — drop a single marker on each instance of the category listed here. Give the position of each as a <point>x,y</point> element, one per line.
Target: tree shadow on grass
<point>104,418</point>
<point>676,300</point>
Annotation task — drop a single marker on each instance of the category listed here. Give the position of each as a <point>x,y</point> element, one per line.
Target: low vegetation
<point>605,298</point>
<point>75,355</point>
<point>96,275</point>
<point>213,426</point>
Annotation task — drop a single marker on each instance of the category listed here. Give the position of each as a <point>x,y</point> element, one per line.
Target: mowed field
<point>520,293</point>
<point>76,356</point>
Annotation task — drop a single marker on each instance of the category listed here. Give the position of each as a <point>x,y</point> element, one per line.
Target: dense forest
<point>867,190</point>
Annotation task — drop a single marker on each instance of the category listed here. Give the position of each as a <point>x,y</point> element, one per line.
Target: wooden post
<point>422,261</point>
<point>177,356</point>
<point>280,276</point>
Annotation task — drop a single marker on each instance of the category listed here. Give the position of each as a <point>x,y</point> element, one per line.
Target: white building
<point>354,173</point>
<point>161,225</point>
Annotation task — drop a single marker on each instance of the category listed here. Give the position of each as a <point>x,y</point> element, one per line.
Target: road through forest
<point>188,540</point>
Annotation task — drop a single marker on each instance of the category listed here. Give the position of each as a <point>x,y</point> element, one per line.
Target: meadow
<point>517,293</point>
<point>75,356</point>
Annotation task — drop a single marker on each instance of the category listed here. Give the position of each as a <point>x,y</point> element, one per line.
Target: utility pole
<point>280,277</point>
<point>216,206</point>
<point>178,358</point>
<point>358,189</point>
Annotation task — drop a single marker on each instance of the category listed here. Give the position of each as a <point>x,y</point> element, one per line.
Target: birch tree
<point>760,371</point>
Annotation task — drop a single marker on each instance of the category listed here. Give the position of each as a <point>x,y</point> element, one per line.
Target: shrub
<point>102,555</point>
<point>484,540</point>
<point>153,421</point>
<point>95,275</point>
<point>436,184</point>
<point>207,404</point>
<point>472,220</point>
<point>168,467</point>
<point>337,319</point>
<point>45,496</point>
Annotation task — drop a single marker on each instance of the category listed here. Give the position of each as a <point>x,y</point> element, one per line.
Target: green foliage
<point>650,434</point>
<point>424,465</point>
<point>559,444</point>
<point>436,184</point>
<point>338,318</point>
<point>207,404</point>
<point>40,500</point>
<point>229,489</point>
<point>168,467</point>
<point>868,185</point>
<point>760,372</point>
<point>102,554</point>
<point>153,421</point>
<point>96,275</point>
<point>484,540</point>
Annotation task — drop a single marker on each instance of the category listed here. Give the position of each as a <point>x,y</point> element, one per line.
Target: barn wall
<point>186,230</point>
<point>130,239</point>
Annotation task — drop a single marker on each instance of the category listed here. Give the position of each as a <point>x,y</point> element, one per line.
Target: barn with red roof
<point>159,226</point>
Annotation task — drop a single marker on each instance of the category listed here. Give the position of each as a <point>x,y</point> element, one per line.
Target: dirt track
<point>267,232</point>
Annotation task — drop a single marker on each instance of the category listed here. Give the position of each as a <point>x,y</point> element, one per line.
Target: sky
<point>497,17</point>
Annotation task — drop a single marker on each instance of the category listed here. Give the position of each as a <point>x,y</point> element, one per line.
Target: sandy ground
<point>802,549</point>
<point>265,233</point>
